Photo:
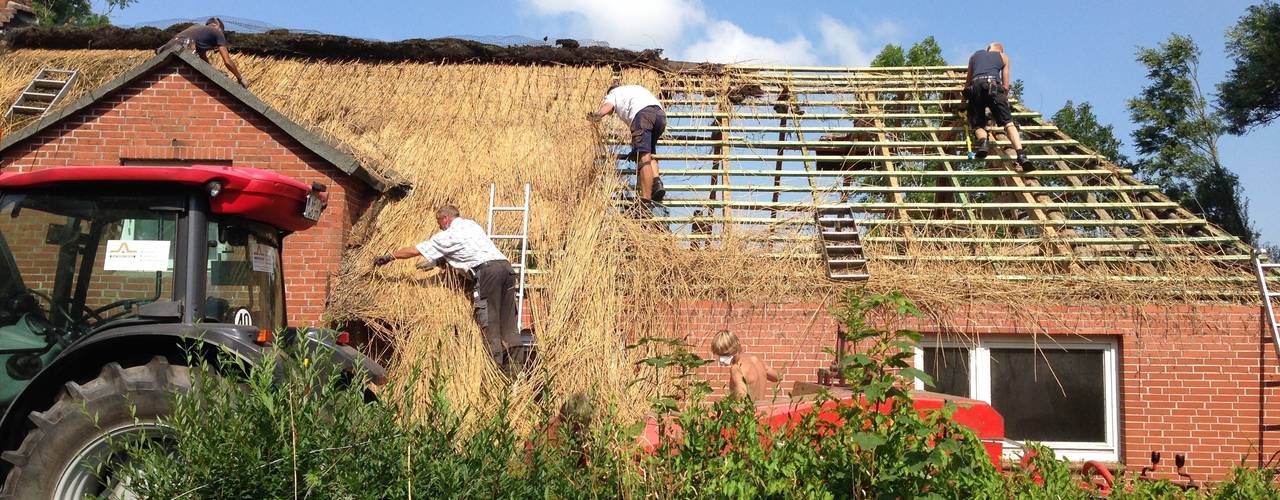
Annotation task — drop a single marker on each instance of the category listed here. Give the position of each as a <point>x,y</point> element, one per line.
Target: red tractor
<point>111,280</point>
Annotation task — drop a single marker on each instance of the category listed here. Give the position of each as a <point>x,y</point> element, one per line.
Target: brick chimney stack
<point>16,14</point>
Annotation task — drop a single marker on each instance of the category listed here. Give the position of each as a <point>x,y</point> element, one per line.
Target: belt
<point>985,77</point>
<point>482,265</point>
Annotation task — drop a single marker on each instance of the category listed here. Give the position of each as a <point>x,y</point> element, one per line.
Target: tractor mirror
<point>229,273</point>
<point>61,234</point>
<point>161,309</point>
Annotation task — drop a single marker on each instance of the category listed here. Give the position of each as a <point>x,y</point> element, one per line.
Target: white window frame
<point>980,383</point>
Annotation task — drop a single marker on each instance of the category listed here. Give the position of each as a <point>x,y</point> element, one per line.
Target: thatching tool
<point>968,141</point>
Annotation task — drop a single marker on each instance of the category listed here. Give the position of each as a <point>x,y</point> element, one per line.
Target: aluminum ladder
<point>1261,268</point>
<point>522,240</point>
<point>841,244</point>
<point>45,90</point>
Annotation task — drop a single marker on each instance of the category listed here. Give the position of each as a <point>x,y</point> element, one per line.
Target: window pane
<point>83,260</point>
<point>949,367</point>
<point>245,285</point>
<point>1065,404</point>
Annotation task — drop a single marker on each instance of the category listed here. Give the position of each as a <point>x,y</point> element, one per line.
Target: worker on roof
<point>641,111</point>
<point>988,88</point>
<point>201,39</point>
<point>464,245</point>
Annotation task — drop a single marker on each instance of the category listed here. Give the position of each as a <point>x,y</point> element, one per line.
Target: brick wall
<point>175,114</point>
<point>1193,379</point>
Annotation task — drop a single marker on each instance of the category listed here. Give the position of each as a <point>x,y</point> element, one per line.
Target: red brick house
<point>176,109</point>
<point>1198,378</point>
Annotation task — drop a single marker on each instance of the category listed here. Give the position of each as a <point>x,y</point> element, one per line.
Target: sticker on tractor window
<point>263,257</point>
<point>243,317</point>
<point>141,255</point>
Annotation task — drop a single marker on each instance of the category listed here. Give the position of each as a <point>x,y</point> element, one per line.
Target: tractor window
<point>82,261</point>
<point>245,285</point>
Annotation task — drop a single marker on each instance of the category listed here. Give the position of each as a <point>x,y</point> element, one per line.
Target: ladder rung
<point>1273,294</point>
<point>42,95</point>
<point>506,237</point>
<point>28,109</point>
<point>850,276</point>
<point>837,260</point>
<point>48,83</point>
<point>838,247</point>
<point>508,209</point>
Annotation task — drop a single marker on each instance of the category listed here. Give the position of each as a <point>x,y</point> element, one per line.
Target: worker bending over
<point>202,39</point>
<point>641,111</point>
<point>987,87</point>
<point>465,246</point>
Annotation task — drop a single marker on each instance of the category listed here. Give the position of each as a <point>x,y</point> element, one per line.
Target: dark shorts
<point>646,128</point>
<point>984,95</point>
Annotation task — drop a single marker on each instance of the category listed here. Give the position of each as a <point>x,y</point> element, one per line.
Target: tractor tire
<point>75,434</point>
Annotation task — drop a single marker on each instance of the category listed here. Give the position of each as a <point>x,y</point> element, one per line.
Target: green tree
<point>1016,88</point>
<point>1081,124</point>
<point>891,55</point>
<point>1250,96</point>
<point>74,12</point>
<point>1177,137</point>
<point>926,53</point>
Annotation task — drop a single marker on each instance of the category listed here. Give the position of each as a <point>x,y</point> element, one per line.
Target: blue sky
<point>1081,51</point>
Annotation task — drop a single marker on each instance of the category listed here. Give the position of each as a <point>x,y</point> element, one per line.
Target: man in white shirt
<point>465,245</point>
<point>641,111</point>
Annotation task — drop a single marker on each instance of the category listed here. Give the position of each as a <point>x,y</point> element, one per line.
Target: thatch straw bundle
<point>604,278</point>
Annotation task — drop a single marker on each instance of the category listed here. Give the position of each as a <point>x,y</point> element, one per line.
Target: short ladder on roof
<point>841,244</point>
<point>45,90</point>
<point>1265,271</point>
<point>522,242</point>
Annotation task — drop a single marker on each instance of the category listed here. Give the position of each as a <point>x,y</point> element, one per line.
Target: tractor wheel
<point>62,456</point>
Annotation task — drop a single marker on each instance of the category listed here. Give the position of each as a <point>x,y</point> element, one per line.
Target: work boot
<point>1022,160</point>
<point>981,152</point>
<point>658,192</point>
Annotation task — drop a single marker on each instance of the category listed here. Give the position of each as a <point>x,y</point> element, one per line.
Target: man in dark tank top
<point>987,87</point>
<point>203,38</point>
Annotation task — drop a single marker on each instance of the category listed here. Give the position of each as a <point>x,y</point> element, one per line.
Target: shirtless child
<point>748,375</point>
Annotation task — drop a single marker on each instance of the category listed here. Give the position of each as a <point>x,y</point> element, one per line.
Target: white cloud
<point>885,30</point>
<point>845,45</point>
<point>637,24</point>
<point>725,42</point>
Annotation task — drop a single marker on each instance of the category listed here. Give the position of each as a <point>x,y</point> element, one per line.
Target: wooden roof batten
<point>753,152</point>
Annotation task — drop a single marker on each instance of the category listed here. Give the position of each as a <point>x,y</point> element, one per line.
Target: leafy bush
<point>292,429</point>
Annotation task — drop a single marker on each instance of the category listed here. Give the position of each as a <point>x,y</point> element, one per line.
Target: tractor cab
<point>129,265</point>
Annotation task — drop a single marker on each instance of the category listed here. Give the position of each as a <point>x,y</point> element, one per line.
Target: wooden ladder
<point>841,243</point>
